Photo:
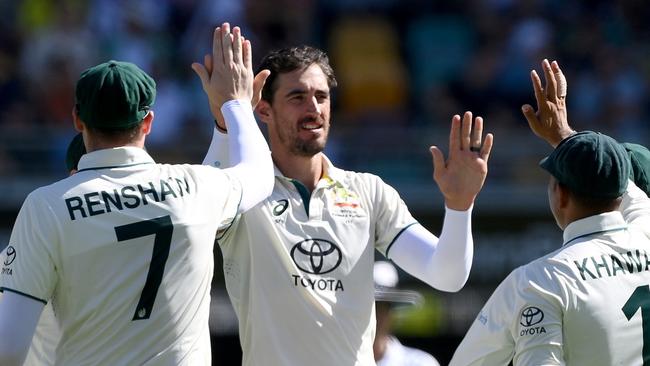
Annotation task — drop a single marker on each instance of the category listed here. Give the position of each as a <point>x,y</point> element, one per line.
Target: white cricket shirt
<point>299,266</point>
<point>123,250</point>
<point>584,304</point>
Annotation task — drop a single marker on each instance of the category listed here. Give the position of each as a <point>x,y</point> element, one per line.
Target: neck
<point>308,170</point>
<point>94,143</point>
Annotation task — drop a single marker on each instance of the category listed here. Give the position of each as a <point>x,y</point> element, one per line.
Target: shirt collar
<point>331,173</point>
<point>608,221</point>
<point>114,157</point>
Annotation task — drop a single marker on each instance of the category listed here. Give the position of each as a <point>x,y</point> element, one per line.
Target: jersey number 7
<point>162,228</point>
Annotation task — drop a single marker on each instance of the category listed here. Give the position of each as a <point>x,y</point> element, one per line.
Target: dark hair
<point>116,136</point>
<point>287,60</point>
<point>594,204</point>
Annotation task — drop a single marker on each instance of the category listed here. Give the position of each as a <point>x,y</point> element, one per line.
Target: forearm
<point>635,206</point>
<point>249,153</point>
<point>442,263</point>
<point>218,154</point>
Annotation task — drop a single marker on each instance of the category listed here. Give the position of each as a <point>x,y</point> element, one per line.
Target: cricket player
<point>587,302</point>
<point>299,266</point>
<point>389,351</point>
<point>123,248</point>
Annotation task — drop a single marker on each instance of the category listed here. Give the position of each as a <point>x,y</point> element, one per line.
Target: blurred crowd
<point>404,68</point>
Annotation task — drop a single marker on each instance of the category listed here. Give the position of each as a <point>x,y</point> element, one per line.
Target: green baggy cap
<point>75,151</point>
<point>640,160</point>
<point>590,164</point>
<point>114,95</point>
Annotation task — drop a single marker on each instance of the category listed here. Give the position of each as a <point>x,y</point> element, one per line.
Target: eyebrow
<point>299,91</point>
<point>296,91</point>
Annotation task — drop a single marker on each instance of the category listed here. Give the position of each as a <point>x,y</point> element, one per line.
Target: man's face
<point>299,117</point>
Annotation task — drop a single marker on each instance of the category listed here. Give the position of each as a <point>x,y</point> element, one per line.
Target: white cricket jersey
<point>584,304</point>
<point>299,268</point>
<point>123,250</point>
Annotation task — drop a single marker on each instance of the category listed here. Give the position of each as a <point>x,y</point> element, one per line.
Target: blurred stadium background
<point>404,68</point>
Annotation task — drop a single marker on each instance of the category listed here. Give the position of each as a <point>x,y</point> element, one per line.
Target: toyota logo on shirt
<point>531,316</point>
<point>316,256</point>
<point>10,255</point>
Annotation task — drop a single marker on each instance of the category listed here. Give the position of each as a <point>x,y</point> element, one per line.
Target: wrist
<point>459,205</point>
<point>563,135</point>
<point>219,126</point>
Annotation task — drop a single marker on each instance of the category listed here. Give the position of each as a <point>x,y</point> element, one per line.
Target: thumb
<point>258,85</point>
<point>202,73</point>
<point>438,161</point>
<point>530,115</point>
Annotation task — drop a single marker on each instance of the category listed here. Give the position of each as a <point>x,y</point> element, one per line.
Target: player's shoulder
<point>358,179</point>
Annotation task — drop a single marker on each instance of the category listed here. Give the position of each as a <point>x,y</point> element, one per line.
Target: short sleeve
<point>391,214</point>
<point>537,329</point>
<point>28,266</point>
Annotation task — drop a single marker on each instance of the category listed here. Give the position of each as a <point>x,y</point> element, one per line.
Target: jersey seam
<point>241,196</point>
<point>2,289</point>
<point>112,166</point>
<point>594,233</point>
<point>397,236</point>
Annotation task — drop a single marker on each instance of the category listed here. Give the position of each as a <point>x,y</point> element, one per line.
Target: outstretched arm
<point>218,152</point>
<point>228,82</point>
<point>550,122</point>
<point>445,263</point>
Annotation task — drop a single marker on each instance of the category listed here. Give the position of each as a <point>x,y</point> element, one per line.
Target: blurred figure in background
<point>387,348</point>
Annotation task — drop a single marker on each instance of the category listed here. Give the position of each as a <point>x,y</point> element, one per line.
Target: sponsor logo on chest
<point>316,257</point>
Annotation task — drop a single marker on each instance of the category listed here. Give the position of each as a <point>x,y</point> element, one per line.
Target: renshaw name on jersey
<point>132,196</point>
<point>613,264</point>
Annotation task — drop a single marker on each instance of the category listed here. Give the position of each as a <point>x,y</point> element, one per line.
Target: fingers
<point>466,127</point>
<point>454,134</point>
<point>237,45</point>
<point>561,80</point>
<point>438,161</point>
<point>537,87</point>
<point>487,147</point>
<point>203,74</point>
<point>551,83</point>
<point>247,55</point>
<point>217,51</point>
<point>226,44</point>
<point>477,134</point>
<point>258,85</point>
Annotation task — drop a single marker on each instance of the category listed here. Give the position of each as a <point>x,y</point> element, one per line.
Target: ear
<point>76,121</point>
<point>563,195</point>
<point>147,122</point>
<point>263,110</point>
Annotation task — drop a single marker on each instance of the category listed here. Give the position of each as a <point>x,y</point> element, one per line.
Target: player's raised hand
<point>230,62</point>
<point>550,122</point>
<point>461,177</point>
